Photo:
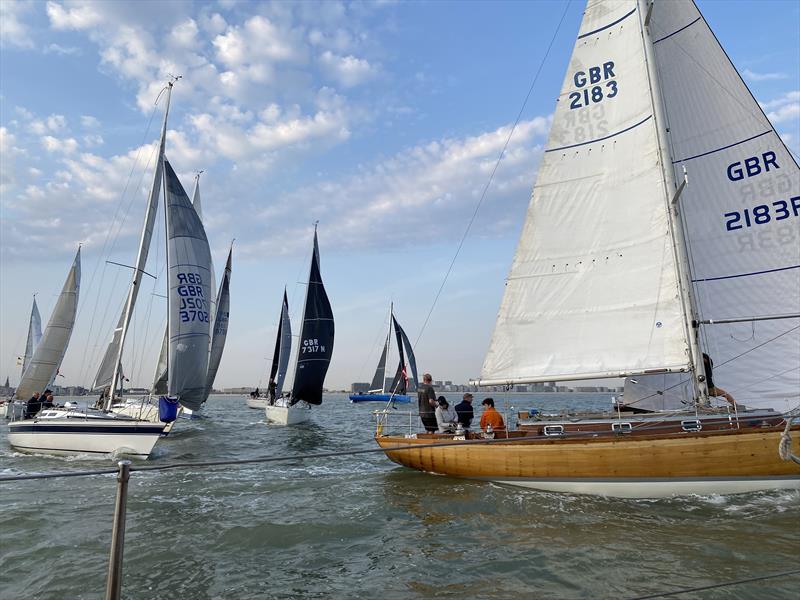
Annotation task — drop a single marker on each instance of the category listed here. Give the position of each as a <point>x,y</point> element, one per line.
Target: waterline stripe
<point>677,31</point>
<point>622,18</point>
<point>675,162</point>
<point>602,138</point>
<point>746,274</point>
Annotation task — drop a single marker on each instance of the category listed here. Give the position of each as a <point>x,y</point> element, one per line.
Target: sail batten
<point>593,288</point>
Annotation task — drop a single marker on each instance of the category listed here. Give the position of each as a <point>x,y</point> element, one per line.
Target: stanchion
<point>114,581</point>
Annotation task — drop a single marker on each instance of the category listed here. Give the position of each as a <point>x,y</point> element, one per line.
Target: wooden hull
<point>623,466</point>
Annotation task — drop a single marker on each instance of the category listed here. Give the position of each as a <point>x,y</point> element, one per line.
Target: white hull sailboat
<point>627,268</point>
<point>259,403</point>
<point>314,352</point>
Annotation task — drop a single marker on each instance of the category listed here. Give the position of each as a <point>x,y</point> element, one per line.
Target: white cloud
<point>349,71</point>
<point>93,140</point>
<point>81,15</point>
<point>90,122</point>
<point>753,76</point>
<point>783,109</point>
<point>14,32</point>
<point>61,50</point>
<point>60,145</point>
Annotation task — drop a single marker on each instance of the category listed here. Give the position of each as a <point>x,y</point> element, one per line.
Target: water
<point>362,527</point>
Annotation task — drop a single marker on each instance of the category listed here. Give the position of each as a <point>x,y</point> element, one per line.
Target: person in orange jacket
<point>491,417</point>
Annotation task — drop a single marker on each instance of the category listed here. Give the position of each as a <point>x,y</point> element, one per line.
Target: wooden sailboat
<point>398,387</point>
<point>624,270</point>
<point>314,351</point>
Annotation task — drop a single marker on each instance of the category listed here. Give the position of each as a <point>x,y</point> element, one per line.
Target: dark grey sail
<point>409,350</point>
<point>316,338</point>
<point>283,346</point>
<point>378,379</point>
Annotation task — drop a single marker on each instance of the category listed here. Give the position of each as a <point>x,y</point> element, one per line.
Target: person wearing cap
<point>491,417</point>
<point>426,396</point>
<point>445,417</point>
<point>464,411</point>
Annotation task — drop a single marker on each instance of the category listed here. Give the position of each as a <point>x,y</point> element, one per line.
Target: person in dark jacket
<point>47,399</point>
<point>33,406</point>
<point>713,390</point>
<point>464,411</point>
<point>426,396</point>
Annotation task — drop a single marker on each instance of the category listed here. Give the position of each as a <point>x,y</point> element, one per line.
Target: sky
<point>381,120</point>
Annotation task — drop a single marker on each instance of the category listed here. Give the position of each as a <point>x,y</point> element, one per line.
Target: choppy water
<point>361,527</point>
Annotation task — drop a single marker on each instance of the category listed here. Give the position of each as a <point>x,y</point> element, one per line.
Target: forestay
<point>593,288</point>
<point>316,338</point>
<point>741,211</point>
<point>220,325</point>
<point>46,360</point>
<point>189,267</point>
<point>34,335</point>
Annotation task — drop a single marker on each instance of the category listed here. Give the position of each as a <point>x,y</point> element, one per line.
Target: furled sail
<point>595,262</point>
<point>283,348</point>
<point>378,380</point>
<point>160,383</point>
<point>316,338</point>
<point>400,379</point>
<point>46,360</point>
<point>113,354</point>
<point>741,211</point>
<point>219,331</point>
<point>34,335</point>
<point>409,350</point>
<point>189,268</point>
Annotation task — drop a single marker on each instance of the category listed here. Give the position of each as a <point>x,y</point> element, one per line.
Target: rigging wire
<point>494,170</point>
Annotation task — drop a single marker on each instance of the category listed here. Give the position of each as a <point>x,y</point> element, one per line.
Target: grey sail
<point>380,372</point>
<point>160,383</point>
<point>189,268</point>
<point>46,360</point>
<point>34,335</point>
<point>220,328</point>
<point>285,349</point>
<point>409,350</point>
<point>110,365</point>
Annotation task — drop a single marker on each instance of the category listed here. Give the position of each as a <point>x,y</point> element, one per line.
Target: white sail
<point>189,267</point>
<point>285,349</point>
<point>741,211</point>
<point>160,382</point>
<point>220,325</point>
<point>46,360</point>
<point>110,365</point>
<point>34,335</point>
<point>593,290</point>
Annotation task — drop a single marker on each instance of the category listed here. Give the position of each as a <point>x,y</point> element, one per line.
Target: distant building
<point>7,390</point>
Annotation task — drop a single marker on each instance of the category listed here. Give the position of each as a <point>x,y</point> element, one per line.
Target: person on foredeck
<point>708,367</point>
<point>464,411</point>
<point>490,417</point>
<point>426,396</point>
<point>33,406</point>
<point>445,417</point>
<point>271,389</point>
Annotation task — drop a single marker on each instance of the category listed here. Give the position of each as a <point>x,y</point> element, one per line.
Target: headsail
<point>400,379</point>
<point>595,260</point>
<point>160,383</point>
<point>409,350</point>
<point>34,335</point>
<point>283,348</point>
<point>189,267</point>
<point>46,360</point>
<point>316,338</point>
<point>109,367</point>
<point>220,328</point>
<point>378,380</point>
<point>741,211</point>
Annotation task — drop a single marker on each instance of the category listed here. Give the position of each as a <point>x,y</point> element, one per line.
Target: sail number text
<point>763,213</point>
<point>193,305</point>
<point>602,75</point>
<point>311,346</point>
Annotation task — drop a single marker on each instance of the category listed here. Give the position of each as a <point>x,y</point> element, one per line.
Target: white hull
<point>67,436</point>
<point>144,411</point>
<point>257,403</point>
<point>287,415</point>
<point>656,488</point>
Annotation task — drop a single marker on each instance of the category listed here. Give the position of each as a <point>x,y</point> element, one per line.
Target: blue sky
<point>381,120</point>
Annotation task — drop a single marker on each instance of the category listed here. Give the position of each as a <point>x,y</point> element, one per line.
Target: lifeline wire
<point>491,176</point>
<point>716,585</point>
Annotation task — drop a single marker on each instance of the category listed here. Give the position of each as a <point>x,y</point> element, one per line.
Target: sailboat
<point>398,387</point>
<point>280,361</point>
<point>663,225</point>
<point>314,351</point>
<point>9,408</point>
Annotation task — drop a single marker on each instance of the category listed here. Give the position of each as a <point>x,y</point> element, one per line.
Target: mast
<point>388,345</point>
<point>672,197</point>
<point>144,246</point>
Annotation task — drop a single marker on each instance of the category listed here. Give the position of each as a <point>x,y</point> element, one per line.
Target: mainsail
<point>409,350</point>
<point>189,268</point>
<point>379,379</point>
<point>110,366</point>
<point>46,360</point>
<point>219,330</point>
<point>316,338</point>
<point>594,288</point>
<point>740,211</point>
<point>34,335</point>
<point>283,348</point>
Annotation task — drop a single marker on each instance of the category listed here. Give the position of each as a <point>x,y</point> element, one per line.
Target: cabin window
<point>621,427</point>
<point>554,430</point>
<point>692,425</point>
